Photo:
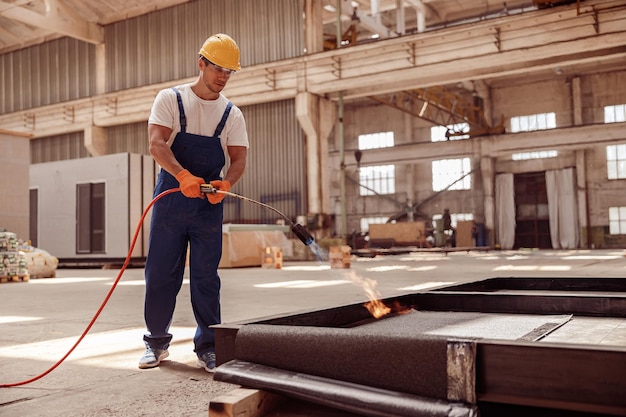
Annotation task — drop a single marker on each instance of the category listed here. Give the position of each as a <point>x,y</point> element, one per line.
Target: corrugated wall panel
<point>52,72</point>
<point>58,148</point>
<point>276,168</point>
<point>131,138</point>
<point>163,45</point>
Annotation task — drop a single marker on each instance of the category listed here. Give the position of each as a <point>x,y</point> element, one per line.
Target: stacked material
<point>39,262</point>
<point>13,264</point>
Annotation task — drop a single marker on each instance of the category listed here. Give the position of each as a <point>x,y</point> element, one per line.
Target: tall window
<point>535,155</point>
<point>615,114</point>
<point>617,220</point>
<point>452,174</point>
<point>531,122</point>
<point>90,215</point>
<point>377,179</point>
<point>440,133</point>
<point>616,161</point>
<point>376,140</point>
<point>33,235</point>
<point>366,221</point>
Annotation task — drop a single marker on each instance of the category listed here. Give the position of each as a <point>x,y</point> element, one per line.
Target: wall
<point>523,97</point>
<point>52,72</point>
<point>602,194</point>
<point>56,183</point>
<point>529,98</point>
<point>14,210</point>
<point>163,45</point>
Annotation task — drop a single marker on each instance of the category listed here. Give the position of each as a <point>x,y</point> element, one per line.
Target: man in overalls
<point>192,127</point>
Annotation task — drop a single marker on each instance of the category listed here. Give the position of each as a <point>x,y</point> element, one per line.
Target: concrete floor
<point>42,319</point>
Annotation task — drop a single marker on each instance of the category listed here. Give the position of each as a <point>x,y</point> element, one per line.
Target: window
<point>615,114</point>
<point>366,221</point>
<point>452,174</point>
<point>532,122</point>
<point>617,220</point>
<point>377,179</point>
<point>90,215</point>
<point>616,161</point>
<point>376,140</point>
<point>534,155</point>
<point>34,217</point>
<point>439,133</point>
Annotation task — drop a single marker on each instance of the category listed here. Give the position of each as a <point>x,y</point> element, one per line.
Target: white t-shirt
<point>203,116</point>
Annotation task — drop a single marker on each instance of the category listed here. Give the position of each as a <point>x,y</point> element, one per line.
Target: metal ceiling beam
<point>441,107</point>
<point>57,18</point>
<point>365,20</point>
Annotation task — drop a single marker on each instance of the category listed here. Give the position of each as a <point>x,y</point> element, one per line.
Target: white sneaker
<point>152,358</point>
<point>207,361</point>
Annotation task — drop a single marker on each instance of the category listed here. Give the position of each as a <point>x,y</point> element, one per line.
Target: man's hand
<point>216,198</point>
<point>189,184</point>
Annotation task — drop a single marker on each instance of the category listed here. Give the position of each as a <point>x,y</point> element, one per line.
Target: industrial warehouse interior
<point>432,219</point>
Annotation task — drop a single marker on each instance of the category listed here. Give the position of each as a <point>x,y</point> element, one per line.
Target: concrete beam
<point>57,18</point>
<point>96,140</point>
<point>566,139</point>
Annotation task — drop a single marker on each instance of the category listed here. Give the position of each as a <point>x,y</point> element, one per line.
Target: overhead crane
<point>442,107</point>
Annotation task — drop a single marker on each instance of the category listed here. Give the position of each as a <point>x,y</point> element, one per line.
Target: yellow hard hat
<point>221,50</point>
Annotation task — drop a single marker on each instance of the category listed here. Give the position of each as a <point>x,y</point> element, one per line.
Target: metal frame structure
<point>511,377</point>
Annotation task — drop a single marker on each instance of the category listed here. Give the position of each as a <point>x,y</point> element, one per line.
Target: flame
<point>375,306</point>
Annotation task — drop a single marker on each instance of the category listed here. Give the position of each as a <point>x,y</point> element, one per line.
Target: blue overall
<point>178,221</point>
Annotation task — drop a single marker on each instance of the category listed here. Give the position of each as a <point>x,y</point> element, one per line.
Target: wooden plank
<point>464,234</point>
<point>244,402</point>
<point>401,233</point>
<point>587,379</point>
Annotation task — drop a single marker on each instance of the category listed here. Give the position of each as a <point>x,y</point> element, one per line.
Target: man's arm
<point>160,150</point>
<point>238,156</point>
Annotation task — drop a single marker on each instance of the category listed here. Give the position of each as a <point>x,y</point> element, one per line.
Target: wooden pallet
<point>14,278</point>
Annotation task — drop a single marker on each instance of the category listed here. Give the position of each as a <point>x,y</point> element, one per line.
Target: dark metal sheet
<point>361,399</point>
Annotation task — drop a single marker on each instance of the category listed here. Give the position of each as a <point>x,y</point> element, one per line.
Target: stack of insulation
<point>40,263</point>
<point>13,263</point>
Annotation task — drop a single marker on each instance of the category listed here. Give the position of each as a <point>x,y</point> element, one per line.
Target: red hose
<point>106,299</point>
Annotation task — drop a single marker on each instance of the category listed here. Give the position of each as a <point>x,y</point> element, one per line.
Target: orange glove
<point>189,184</point>
<point>216,198</point>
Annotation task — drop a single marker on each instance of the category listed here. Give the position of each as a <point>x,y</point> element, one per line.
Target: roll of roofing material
<point>409,363</point>
<point>355,398</point>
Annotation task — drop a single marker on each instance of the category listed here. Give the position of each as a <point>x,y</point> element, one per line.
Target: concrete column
<point>15,183</point>
<point>577,102</point>
<point>581,171</point>
<point>314,26</point>
<point>581,191</point>
<point>487,172</point>
<point>327,120</point>
<point>100,69</point>
<point>316,117</point>
<point>96,140</point>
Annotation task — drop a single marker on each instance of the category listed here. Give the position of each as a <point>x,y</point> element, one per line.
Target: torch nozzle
<point>297,229</point>
<point>302,234</point>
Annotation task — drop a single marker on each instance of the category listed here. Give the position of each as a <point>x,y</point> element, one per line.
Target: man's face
<point>214,76</point>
